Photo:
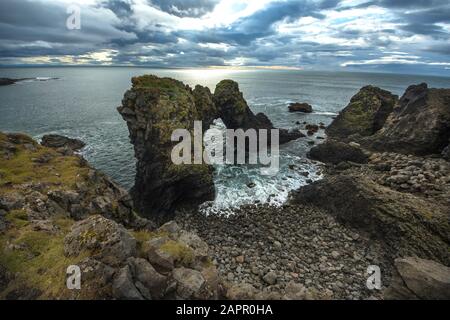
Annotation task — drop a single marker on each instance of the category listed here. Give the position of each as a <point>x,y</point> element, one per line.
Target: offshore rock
<point>153,109</point>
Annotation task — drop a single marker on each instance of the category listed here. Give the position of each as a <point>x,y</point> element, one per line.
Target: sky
<point>402,36</point>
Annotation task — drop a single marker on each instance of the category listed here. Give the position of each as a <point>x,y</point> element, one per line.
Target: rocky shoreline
<point>374,206</point>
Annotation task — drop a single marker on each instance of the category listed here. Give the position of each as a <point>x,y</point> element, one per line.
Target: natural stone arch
<point>153,108</point>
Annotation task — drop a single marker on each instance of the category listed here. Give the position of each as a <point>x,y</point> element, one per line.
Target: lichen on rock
<point>366,113</point>
<point>153,109</point>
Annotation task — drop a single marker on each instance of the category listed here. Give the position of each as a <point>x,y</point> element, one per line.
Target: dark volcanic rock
<point>153,109</point>
<point>407,224</point>
<point>57,141</point>
<point>419,124</point>
<point>446,153</point>
<point>334,152</point>
<point>236,114</point>
<point>300,107</point>
<point>365,115</point>
<point>8,81</point>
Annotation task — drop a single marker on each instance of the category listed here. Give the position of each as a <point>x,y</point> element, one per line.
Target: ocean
<point>82,104</point>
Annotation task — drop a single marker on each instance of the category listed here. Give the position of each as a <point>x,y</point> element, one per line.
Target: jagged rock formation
<point>236,114</point>
<point>407,224</point>
<point>153,109</point>
<point>365,115</point>
<point>419,279</point>
<point>419,124</point>
<point>57,211</point>
<point>123,268</point>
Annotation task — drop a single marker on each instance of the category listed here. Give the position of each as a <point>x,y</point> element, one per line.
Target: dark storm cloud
<point>33,28</point>
<point>122,8</point>
<point>260,24</point>
<point>185,8</point>
<point>38,28</point>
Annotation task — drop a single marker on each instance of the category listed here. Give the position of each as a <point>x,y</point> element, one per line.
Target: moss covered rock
<point>420,123</point>
<point>365,115</point>
<point>153,109</point>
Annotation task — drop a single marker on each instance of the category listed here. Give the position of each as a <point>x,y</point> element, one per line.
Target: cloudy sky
<point>408,36</point>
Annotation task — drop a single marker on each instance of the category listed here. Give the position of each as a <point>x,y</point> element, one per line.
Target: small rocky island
<point>384,201</point>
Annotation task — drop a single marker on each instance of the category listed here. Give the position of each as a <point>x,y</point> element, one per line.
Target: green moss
<point>182,253</point>
<point>142,237</point>
<point>17,218</point>
<point>40,262</point>
<point>24,167</point>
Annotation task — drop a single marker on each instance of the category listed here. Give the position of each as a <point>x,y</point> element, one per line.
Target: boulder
<point>297,291</point>
<point>106,240</point>
<point>407,224</point>
<point>300,107</point>
<point>57,141</point>
<point>190,283</point>
<point>144,272</point>
<point>335,152</point>
<point>153,108</point>
<point>366,113</point>
<point>417,278</point>
<point>243,291</point>
<point>96,279</point>
<point>419,124</point>
<point>123,287</point>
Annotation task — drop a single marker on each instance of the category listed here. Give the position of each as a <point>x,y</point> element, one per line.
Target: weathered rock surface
<point>236,114</point>
<point>332,151</point>
<point>365,115</point>
<point>419,124</point>
<point>40,204</point>
<point>123,287</point>
<point>57,141</point>
<point>300,107</point>
<point>419,279</point>
<point>407,224</point>
<point>153,109</point>
<point>97,234</point>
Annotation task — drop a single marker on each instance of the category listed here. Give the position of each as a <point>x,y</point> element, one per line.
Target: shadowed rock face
<point>233,108</point>
<point>419,279</point>
<point>366,113</point>
<point>153,109</point>
<point>408,225</point>
<point>236,114</point>
<point>419,124</point>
